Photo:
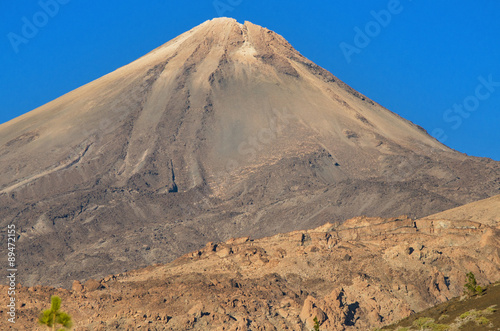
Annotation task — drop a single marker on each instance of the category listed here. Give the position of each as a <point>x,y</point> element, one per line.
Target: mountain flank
<point>225,131</point>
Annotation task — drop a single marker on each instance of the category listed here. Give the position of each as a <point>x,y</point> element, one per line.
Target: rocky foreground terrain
<point>361,274</point>
<point>475,313</point>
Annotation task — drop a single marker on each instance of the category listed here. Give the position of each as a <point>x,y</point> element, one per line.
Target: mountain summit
<point>224,131</point>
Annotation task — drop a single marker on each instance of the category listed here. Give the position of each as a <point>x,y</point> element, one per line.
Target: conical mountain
<point>224,131</point>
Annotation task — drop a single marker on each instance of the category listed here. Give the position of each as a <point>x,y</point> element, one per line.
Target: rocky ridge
<point>360,274</point>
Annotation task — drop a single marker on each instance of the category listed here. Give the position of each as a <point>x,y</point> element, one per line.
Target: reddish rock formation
<point>362,274</point>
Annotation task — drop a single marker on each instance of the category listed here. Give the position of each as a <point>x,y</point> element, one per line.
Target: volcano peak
<point>225,130</point>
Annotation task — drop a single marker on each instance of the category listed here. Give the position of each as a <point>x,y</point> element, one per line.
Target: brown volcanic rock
<point>362,274</point>
<point>224,131</point>
<point>476,313</point>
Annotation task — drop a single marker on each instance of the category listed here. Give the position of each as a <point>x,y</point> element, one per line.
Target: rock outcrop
<point>362,274</point>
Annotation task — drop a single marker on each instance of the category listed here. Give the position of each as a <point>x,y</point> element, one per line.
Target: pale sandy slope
<point>485,211</point>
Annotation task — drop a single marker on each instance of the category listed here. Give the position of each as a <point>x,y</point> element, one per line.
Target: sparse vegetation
<point>471,288</point>
<point>479,317</point>
<point>467,314</point>
<point>438,327</point>
<point>490,310</point>
<point>53,316</point>
<point>316,324</point>
<point>422,322</point>
<point>482,320</point>
<point>427,323</point>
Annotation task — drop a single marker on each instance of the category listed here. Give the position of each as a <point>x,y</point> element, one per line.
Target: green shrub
<point>471,288</point>
<point>490,310</point>
<point>472,313</point>
<point>422,322</point>
<point>482,321</point>
<point>316,324</point>
<point>51,317</point>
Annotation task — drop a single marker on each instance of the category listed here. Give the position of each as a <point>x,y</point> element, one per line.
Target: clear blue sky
<point>424,61</point>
